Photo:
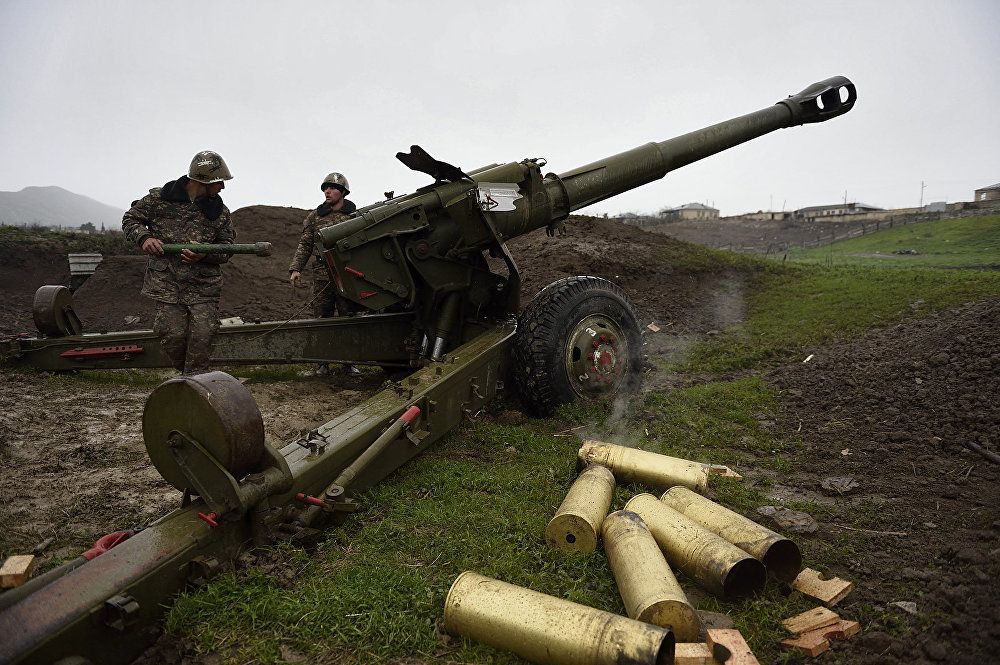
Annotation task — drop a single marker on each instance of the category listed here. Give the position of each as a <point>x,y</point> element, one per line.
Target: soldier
<point>186,286</point>
<point>326,300</point>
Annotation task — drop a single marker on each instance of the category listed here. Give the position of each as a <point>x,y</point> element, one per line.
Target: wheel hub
<point>596,356</point>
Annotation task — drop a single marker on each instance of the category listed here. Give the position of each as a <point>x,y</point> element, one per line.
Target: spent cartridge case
<point>716,564</point>
<point>646,584</point>
<point>546,629</point>
<point>779,555</point>
<point>660,472</point>
<point>575,526</point>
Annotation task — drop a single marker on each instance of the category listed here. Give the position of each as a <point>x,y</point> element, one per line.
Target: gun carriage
<point>436,308</point>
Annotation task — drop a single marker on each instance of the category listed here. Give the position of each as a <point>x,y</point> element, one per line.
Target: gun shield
<point>714,563</point>
<point>779,555</point>
<point>633,465</point>
<point>646,584</point>
<point>545,629</point>
<point>575,525</point>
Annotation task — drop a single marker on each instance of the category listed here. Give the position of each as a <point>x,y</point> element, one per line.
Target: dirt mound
<point>257,288</point>
<point>892,410</point>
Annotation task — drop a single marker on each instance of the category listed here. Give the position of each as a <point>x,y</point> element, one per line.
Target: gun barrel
<point>619,173</point>
<point>256,248</point>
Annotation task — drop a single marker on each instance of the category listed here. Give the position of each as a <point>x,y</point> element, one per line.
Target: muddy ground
<point>890,410</point>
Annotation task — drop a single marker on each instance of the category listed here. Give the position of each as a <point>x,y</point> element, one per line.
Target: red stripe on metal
<point>353,271</point>
<point>368,294</point>
<point>102,352</point>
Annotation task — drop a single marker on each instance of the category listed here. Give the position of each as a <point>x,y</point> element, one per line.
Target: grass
<point>14,237</point>
<point>478,501</point>
<point>798,309</point>
<point>947,243</point>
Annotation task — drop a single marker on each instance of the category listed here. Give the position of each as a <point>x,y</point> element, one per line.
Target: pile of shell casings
<point>724,552</point>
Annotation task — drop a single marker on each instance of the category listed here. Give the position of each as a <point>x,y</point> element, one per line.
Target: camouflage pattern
<point>336,179</point>
<point>327,301</point>
<point>208,167</point>
<point>310,244</point>
<point>168,279</point>
<point>186,333</point>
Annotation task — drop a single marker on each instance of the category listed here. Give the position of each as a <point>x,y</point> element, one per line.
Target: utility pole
<point>922,186</point>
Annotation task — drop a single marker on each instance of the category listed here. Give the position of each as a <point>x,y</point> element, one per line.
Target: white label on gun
<point>498,196</point>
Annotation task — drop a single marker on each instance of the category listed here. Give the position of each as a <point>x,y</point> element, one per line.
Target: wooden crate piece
<point>829,592</point>
<point>810,620</point>
<point>731,641</point>
<point>16,570</point>
<point>817,641</point>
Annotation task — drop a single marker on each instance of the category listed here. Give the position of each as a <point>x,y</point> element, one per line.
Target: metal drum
<point>216,411</point>
<point>53,312</point>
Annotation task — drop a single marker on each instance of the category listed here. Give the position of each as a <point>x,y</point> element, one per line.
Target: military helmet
<point>336,180</point>
<point>208,167</point>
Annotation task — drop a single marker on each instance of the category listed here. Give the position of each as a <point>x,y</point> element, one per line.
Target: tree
<point>87,227</point>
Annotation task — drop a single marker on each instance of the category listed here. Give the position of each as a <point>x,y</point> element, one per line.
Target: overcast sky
<point>109,99</point>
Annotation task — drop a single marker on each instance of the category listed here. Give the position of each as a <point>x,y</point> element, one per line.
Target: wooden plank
<point>829,592</point>
<point>693,653</point>
<point>810,620</point>
<point>812,644</point>
<point>723,641</point>
<point>16,570</point>
<point>817,641</point>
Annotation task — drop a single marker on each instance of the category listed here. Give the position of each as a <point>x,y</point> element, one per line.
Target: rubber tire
<point>540,344</point>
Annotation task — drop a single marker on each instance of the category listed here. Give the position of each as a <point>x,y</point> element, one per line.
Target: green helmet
<point>336,180</point>
<point>208,167</point>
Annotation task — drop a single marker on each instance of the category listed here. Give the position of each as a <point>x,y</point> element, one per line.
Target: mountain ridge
<point>51,205</point>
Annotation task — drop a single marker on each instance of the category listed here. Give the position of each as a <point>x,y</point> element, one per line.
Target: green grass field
<point>374,591</point>
<point>948,243</point>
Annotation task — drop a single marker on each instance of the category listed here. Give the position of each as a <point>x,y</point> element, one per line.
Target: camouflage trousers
<point>186,333</point>
<point>328,302</point>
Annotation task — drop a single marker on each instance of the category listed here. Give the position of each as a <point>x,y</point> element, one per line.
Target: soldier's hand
<point>295,277</point>
<point>153,246</point>
<point>187,256</point>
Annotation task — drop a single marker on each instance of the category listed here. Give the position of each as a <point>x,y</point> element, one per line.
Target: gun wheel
<point>578,339</point>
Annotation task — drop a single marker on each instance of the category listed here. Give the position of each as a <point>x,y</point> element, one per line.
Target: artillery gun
<point>417,263</point>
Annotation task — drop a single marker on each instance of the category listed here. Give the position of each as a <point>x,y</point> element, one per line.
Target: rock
<point>790,520</point>
<point>969,555</point>
<point>935,650</point>
<point>905,605</point>
<point>715,619</point>
<point>838,484</point>
<point>877,642</point>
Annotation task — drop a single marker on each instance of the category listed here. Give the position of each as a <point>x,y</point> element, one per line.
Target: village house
<point>689,211</point>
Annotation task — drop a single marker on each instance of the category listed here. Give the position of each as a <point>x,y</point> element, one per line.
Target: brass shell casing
<point>633,465</point>
<point>719,566</point>
<point>575,526</point>
<point>546,629</point>
<point>779,555</point>
<point>646,584</point>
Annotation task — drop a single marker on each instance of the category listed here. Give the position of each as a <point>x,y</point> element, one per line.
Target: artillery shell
<point>545,629</point>
<point>646,584</point>
<point>714,563</point>
<point>779,555</point>
<point>575,525</point>
<point>633,465</point>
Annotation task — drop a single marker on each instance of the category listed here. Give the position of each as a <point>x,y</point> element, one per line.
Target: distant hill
<point>55,206</point>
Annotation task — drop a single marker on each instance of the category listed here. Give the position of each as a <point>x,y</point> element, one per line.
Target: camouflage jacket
<point>168,214</point>
<point>309,242</point>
